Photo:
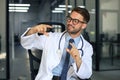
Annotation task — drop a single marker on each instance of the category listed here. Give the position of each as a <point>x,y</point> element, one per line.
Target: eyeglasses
<point>74,21</point>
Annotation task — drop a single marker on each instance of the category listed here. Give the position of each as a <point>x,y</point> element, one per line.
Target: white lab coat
<point>51,55</point>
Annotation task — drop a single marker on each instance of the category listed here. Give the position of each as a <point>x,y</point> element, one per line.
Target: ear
<point>84,26</point>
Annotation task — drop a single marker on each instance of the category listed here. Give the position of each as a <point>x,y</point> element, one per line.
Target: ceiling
<point>37,2</point>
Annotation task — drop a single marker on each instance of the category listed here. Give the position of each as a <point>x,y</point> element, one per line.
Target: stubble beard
<point>74,31</point>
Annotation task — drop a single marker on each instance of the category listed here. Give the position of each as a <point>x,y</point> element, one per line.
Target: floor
<point>106,75</point>
<point>20,69</point>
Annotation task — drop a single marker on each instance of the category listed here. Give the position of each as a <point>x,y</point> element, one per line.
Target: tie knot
<point>71,41</point>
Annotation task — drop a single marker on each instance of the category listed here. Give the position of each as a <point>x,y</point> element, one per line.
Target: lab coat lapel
<point>62,43</point>
<point>80,43</point>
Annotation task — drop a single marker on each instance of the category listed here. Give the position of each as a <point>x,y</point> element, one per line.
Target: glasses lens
<point>75,21</point>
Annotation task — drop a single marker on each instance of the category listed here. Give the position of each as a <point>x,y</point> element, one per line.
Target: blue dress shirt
<point>58,69</point>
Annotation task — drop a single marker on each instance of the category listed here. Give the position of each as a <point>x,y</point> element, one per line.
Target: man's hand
<point>42,28</point>
<point>74,52</point>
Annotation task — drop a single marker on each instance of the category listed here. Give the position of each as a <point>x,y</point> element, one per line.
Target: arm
<point>82,65</point>
<point>85,70</point>
<point>38,29</point>
<point>30,38</point>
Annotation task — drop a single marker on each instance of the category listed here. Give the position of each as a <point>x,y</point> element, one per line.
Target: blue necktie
<point>66,63</point>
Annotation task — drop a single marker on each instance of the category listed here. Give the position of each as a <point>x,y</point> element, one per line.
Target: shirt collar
<point>67,37</point>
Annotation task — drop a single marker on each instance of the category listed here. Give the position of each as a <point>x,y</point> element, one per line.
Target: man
<point>55,50</point>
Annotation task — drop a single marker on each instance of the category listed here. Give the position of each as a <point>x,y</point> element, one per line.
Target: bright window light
<point>19,5</point>
<point>81,6</point>
<point>20,8</point>
<point>69,11</point>
<point>60,9</point>
<point>57,11</point>
<point>69,6</point>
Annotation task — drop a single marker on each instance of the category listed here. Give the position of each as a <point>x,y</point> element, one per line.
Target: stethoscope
<point>81,49</point>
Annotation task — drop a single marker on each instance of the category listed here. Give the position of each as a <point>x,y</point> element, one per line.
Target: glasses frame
<point>74,21</point>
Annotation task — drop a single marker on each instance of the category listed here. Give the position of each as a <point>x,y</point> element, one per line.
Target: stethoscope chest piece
<point>59,53</point>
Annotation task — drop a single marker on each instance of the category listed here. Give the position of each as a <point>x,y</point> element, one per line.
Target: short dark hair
<point>84,12</point>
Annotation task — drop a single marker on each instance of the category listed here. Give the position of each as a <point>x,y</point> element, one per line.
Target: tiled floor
<point>106,75</point>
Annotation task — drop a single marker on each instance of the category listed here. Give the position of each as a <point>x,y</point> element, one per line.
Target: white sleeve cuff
<point>25,32</point>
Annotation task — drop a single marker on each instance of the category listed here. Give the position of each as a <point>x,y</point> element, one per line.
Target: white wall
<point>109,21</point>
<point>3,24</point>
<point>110,16</point>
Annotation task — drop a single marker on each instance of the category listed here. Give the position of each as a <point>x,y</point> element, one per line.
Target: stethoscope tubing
<point>78,49</point>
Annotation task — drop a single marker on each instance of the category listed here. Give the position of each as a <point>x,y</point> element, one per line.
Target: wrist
<point>30,31</point>
<point>78,63</point>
